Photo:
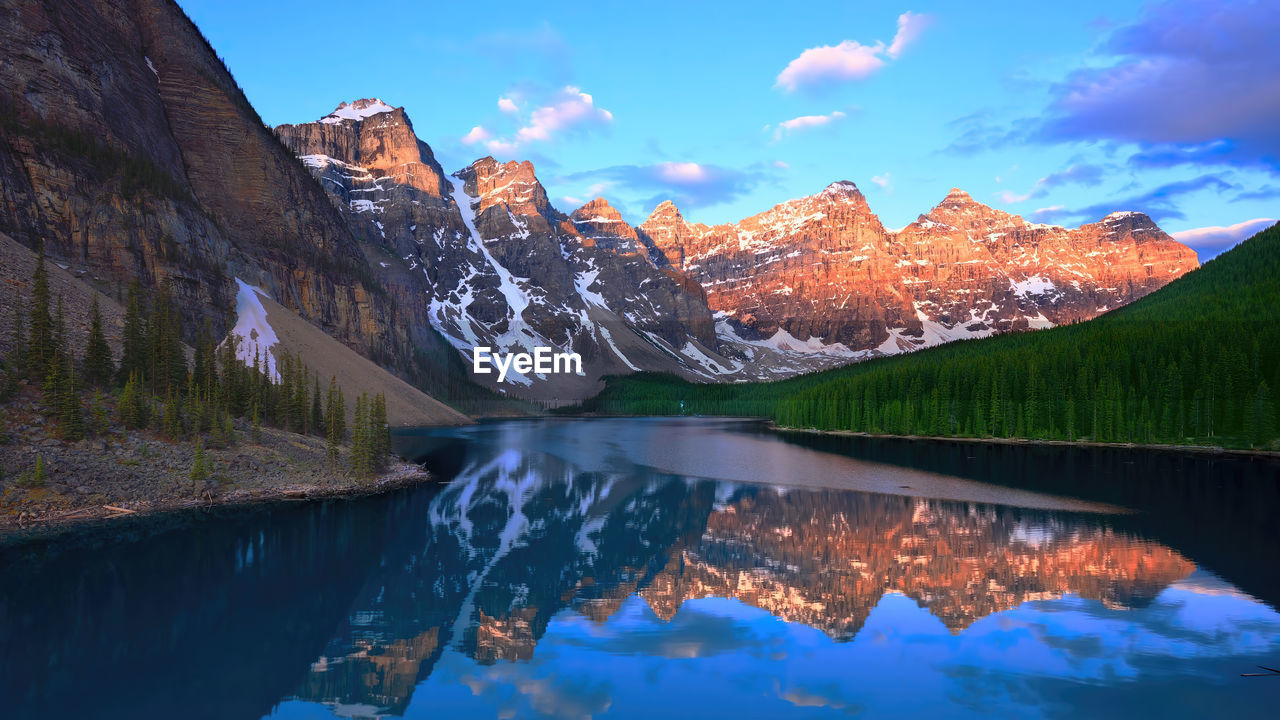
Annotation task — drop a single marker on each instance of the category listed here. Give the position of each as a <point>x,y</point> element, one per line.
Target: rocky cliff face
<point>130,152</point>
<point>823,269</point>
<point>507,270</point>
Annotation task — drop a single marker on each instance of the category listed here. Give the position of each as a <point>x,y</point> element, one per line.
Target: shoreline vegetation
<point>168,425</point>
<point>1194,364</point>
<point>1154,447</point>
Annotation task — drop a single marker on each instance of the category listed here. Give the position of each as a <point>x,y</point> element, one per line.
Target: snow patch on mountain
<point>608,338</point>
<point>358,110</point>
<point>1034,285</point>
<point>254,335</point>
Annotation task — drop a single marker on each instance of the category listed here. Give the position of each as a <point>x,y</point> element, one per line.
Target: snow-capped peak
<point>357,110</point>
<point>841,187</point>
<point>1122,215</point>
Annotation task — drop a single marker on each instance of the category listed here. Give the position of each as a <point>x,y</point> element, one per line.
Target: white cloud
<point>1046,214</point>
<point>1220,238</point>
<point>882,180</point>
<point>682,173</point>
<point>847,61</point>
<point>1079,173</point>
<point>804,122</point>
<point>780,164</point>
<point>502,146</point>
<point>570,109</point>
<point>573,108</point>
<point>477,134</point>
<point>850,60</point>
<point>910,26</point>
<point>507,105</point>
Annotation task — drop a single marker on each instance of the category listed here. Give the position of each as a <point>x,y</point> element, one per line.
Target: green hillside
<point>1197,362</point>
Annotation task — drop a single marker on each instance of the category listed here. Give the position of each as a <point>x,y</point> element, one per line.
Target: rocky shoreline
<point>120,475</point>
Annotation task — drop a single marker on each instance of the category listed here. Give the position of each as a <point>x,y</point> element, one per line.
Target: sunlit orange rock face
<point>824,266</point>
<point>384,673</point>
<point>826,560</point>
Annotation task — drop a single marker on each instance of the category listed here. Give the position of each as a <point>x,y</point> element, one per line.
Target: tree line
<point>83,392</point>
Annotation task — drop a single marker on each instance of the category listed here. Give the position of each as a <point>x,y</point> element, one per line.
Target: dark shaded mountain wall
<point>130,152</point>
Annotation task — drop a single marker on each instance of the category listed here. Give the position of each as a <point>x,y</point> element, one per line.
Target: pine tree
<point>127,407</point>
<point>317,411</point>
<point>203,368</point>
<point>228,429</point>
<point>99,420</point>
<point>380,431</point>
<point>361,450</point>
<point>133,358</point>
<point>51,389</point>
<point>335,419</point>
<point>199,463</point>
<point>173,416</point>
<point>38,475</point>
<point>70,412</point>
<point>98,367</point>
<point>166,360</point>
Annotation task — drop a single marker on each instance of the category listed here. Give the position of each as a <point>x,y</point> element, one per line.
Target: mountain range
<point>811,283</point>
<point>130,153</point>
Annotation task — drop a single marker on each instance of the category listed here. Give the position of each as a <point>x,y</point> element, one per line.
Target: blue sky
<point>1060,112</point>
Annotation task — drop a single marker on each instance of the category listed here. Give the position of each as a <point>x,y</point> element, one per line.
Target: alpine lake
<point>675,567</point>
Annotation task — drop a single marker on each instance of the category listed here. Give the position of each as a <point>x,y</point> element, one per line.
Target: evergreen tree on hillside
<point>172,424</point>
<point>317,411</point>
<point>335,421</point>
<point>360,440</point>
<point>380,431</point>
<point>199,463</point>
<point>98,367</point>
<point>70,411</point>
<point>132,406</point>
<point>133,359</point>
<point>166,361</point>
<point>56,371</point>
<point>204,373</point>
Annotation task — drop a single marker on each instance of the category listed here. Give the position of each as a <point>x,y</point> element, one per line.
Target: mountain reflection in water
<point>563,573</point>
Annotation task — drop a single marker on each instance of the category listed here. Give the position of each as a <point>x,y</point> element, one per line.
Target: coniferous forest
<point>1197,362</point>
<point>159,387</point>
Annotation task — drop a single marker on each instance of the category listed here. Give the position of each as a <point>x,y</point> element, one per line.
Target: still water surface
<point>692,567</point>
